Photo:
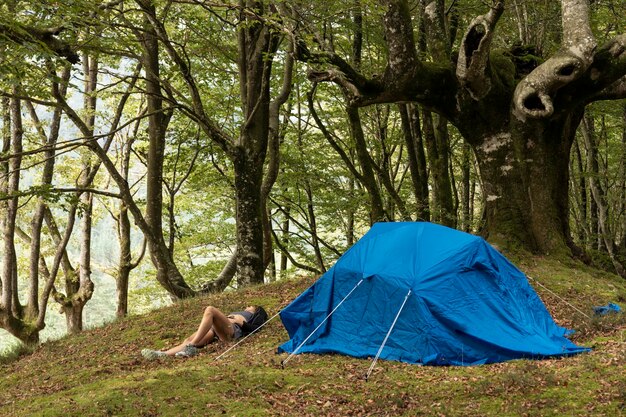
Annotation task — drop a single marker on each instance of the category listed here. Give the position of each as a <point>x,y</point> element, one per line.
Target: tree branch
<point>472,68</point>
<point>615,91</point>
<point>330,137</point>
<point>534,96</point>
<point>304,227</point>
<point>291,258</point>
<point>606,78</point>
<point>46,37</point>
<point>223,140</point>
<point>578,38</point>
<point>38,191</point>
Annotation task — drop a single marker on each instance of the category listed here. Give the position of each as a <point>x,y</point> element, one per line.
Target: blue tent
<point>454,299</point>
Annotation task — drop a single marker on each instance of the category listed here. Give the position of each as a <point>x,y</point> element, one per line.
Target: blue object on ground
<point>609,308</point>
<point>468,304</point>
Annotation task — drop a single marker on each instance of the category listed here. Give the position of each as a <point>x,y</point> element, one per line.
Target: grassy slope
<point>100,372</point>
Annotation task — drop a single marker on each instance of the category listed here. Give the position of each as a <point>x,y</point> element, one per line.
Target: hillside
<point>101,373</point>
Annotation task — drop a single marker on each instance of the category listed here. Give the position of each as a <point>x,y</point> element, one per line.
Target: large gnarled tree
<point>521,127</point>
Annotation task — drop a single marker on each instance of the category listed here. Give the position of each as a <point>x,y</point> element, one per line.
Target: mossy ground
<point>100,372</point>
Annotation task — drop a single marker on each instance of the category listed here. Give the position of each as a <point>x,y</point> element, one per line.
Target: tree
<point>519,121</point>
<point>258,41</point>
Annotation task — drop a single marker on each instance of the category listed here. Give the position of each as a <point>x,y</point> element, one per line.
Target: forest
<point>212,145</point>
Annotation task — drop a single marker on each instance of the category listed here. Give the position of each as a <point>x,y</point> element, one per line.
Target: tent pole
<point>380,350</point>
<point>320,325</point>
<point>248,335</point>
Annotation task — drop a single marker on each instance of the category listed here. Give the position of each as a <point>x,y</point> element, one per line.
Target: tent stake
<point>247,336</point>
<point>380,350</point>
<point>282,364</point>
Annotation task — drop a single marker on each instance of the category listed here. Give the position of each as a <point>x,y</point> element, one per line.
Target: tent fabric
<point>468,304</point>
<point>609,308</point>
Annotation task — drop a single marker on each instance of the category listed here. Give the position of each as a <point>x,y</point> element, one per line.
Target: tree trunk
<point>40,210</point>
<point>350,217</point>
<point>466,220</point>
<point>417,159</point>
<point>275,139</point>
<point>622,187</point>
<point>11,312</point>
<point>74,317</point>
<point>525,175</point>
<point>284,230</point>
<point>124,262</point>
<point>257,45</point>
<point>583,221</point>
<point>167,271</point>
<point>5,285</point>
<point>248,177</point>
<point>377,210</point>
<point>387,169</point>
<point>319,259</point>
<point>78,293</point>
<point>436,139</point>
<point>598,194</point>
<point>83,290</point>
<point>11,300</point>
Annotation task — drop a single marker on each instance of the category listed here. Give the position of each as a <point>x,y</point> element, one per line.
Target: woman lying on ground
<point>213,326</point>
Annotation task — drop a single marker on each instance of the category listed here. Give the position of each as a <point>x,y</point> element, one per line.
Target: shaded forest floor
<point>101,373</point>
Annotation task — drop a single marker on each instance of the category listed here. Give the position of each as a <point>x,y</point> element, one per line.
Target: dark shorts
<point>237,332</point>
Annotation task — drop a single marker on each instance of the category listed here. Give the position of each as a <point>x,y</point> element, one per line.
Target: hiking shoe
<point>188,352</point>
<point>153,354</point>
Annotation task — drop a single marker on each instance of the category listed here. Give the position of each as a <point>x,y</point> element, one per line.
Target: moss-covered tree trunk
<point>525,176</point>
<point>248,177</point>
<point>257,45</point>
<point>167,272</point>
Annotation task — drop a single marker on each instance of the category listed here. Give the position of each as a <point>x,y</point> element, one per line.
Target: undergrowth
<point>101,373</point>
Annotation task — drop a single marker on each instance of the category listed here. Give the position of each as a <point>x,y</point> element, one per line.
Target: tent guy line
<point>560,298</point>
<point>319,325</point>
<point>369,371</point>
<point>247,336</point>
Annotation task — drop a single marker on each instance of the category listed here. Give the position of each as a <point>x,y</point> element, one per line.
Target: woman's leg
<point>213,321</point>
<point>208,338</point>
